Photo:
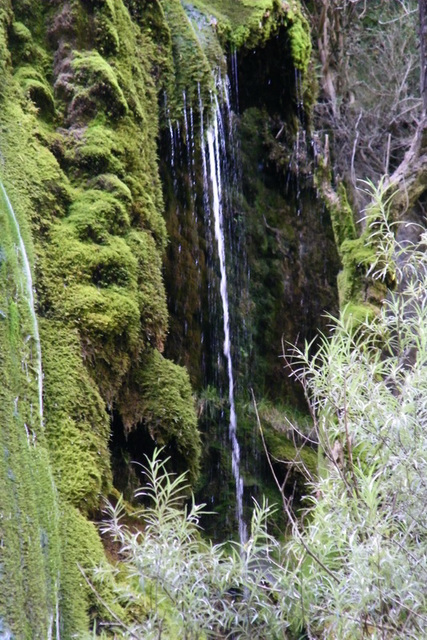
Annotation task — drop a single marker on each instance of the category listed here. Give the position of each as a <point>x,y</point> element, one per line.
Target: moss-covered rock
<point>159,395</point>
<point>78,149</point>
<point>247,24</point>
<point>83,552</point>
<point>96,86</point>
<point>38,90</point>
<point>30,549</point>
<point>77,425</point>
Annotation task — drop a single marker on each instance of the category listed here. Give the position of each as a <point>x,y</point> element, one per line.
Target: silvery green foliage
<point>184,586</point>
<point>366,575</point>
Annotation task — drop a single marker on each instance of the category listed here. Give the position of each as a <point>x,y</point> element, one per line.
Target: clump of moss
<point>96,215</point>
<point>195,71</point>
<point>151,290</point>
<point>159,395</point>
<point>6,18</point>
<point>106,33</point>
<point>77,425</point>
<point>299,34</point>
<point>356,256</point>
<point>97,151</point>
<point>37,89</point>
<point>110,183</point>
<point>83,552</point>
<point>22,40</point>
<point>96,86</point>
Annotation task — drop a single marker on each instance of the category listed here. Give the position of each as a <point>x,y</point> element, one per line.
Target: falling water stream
<point>214,150</point>
<point>53,615</point>
<point>204,210</point>
<point>30,297</point>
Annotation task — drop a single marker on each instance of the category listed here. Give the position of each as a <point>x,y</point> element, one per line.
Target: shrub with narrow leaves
<point>184,586</point>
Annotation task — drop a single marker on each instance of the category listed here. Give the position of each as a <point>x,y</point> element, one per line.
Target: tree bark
<point>409,181</point>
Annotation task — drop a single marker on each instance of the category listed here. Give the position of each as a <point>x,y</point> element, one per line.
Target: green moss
<point>151,291</point>
<point>299,33</point>
<point>37,89</point>
<point>106,34</point>
<point>249,24</point>
<point>342,219</point>
<point>357,314</point>
<point>77,425</point>
<point>115,297</point>
<point>357,256</point>
<point>360,294</point>
<point>30,551</point>
<point>191,65</point>
<point>159,395</point>
<point>96,86</point>
<point>97,151</point>
<point>6,18</point>
<point>96,215</point>
<point>79,605</point>
<point>21,40</point>
<point>112,184</point>
<point>142,178</point>
<point>21,33</point>
<point>149,15</point>
<point>89,194</point>
<point>243,23</point>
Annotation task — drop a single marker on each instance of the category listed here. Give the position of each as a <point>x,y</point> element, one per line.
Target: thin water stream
<point>26,282</point>
<point>26,270</point>
<point>215,145</point>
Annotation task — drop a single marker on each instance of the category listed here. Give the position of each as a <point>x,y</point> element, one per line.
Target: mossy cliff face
<point>29,521</point>
<point>88,88</point>
<point>78,129</point>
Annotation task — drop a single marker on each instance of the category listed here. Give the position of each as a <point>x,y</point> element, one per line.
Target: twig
<point>285,505</point>
<point>105,605</point>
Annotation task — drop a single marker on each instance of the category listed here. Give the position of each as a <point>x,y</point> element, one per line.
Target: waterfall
<point>207,257</point>
<point>25,459</point>
<point>30,297</point>
<point>214,151</point>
